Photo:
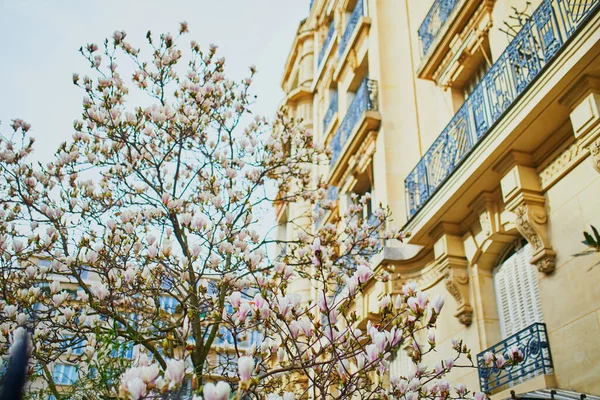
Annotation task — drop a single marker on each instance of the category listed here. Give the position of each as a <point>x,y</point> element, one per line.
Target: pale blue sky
<point>40,39</point>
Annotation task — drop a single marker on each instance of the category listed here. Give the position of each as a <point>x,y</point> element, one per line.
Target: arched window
<point>517,292</point>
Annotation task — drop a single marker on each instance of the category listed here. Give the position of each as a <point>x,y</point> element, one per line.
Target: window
<point>77,345</point>
<point>475,78</point>
<point>224,337</point>
<point>517,292</point>
<point>226,365</point>
<point>401,364</point>
<point>84,271</point>
<point>252,337</point>
<point>169,304</point>
<point>64,374</point>
<point>123,350</point>
<point>363,186</point>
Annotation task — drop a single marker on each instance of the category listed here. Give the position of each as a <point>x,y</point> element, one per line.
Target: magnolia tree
<point>144,231</point>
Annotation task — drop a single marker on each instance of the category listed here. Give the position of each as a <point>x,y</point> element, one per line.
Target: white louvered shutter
<point>517,292</point>
<point>401,364</point>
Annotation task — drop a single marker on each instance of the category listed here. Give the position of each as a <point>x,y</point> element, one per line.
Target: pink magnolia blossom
<point>515,355</point>
<point>10,310</point>
<point>175,372</point>
<point>461,389</point>
<point>488,358</point>
<point>363,273</point>
<point>479,396</point>
<point>99,290</point>
<point>431,337</point>
<point>372,352</point>
<point>351,284</point>
<point>220,391</point>
<point>245,368</point>
<point>149,373</point>
<point>136,388</point>
<point>500,361</point>
<point>235,299</point>
<point>437,303</point>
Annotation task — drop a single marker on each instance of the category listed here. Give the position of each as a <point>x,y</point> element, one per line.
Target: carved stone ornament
<point>531,223</point>
<point>457,283</point>
<point>485,222</point>
<point>595,152</point>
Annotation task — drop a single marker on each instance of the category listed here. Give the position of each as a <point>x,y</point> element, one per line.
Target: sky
<point>39,42</point>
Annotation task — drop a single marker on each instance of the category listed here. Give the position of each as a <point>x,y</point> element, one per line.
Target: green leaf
<point>589,239</point>
<point>596,234</point>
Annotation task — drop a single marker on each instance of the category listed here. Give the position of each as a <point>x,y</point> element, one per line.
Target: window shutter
<point>401,364</point>
<point>517,292</point>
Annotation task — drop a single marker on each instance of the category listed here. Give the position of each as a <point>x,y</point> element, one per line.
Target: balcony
<point>326,43</point>
<point>331,110</point>
<point>352,22</point>
<point>434,21</point>
<point>538,42</point>
<point>533,343</point>
<point>365,100</point>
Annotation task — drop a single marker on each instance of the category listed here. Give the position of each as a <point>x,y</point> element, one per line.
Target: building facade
<point>478,123</point>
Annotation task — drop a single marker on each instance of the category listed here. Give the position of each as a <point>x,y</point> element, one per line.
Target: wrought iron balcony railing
<point>533,343</point>
<point>331,110</point>
<point>532,49</point>
<point>434,21</point>
<point>364,100</point>
<point>326,43</point>
<point>354,17</point>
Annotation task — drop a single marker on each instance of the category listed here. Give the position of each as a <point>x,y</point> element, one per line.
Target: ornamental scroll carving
<point>452,270</point>
<point>457,284</point>
<point>531,223</point>
<point>595,152</point>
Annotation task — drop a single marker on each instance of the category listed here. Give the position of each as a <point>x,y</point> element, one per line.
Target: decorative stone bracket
<point>595,152</point>
<point>531,223</point>
<point>450,259</point>
<point>521,192</point>
<point>457,283</point>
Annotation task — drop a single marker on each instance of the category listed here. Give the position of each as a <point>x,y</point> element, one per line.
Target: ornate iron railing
<point>434,21</point>
<point>533,343</point>
<point>326,42</point>
<point>354,17</point>
<point>364,100</point>
<point>331,110</point>
<point>534,47</point>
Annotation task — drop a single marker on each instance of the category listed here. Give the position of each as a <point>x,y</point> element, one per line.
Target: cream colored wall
<point>502,11</point>
<point>435,106</point>
<point>571,295</point>
<point>397,142</point>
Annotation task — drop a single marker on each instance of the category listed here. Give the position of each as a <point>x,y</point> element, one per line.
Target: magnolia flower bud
<point>175,372</point>
<point>136,388</point>
<point>245,368</point>
<point>220,391</point>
